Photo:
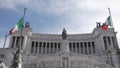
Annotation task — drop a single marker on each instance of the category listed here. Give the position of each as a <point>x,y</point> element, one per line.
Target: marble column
<point>34,47</point>
<point>12,41</point>
<point>83,47</point>
<point>41,47</point>
<point>57,47</point>
<point>71,47</point>
<point>75,47</point>
<point>111,42</point>
<point>79,48</point>
<point>45,48</point>
<point>49,48</point>
<point>87,48</point>
<point>91,47</point>
<point>38,48</point>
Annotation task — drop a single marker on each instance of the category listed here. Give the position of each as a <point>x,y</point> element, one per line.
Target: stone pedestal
<point>65,46</point>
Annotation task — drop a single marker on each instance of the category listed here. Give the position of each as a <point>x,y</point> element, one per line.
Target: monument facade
<point>98,49</point>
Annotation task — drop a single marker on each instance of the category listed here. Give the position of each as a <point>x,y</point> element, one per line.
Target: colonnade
<point>52,47</point>
<point>109,41</point>
<point>44,47</point>
<point>82,47</point>
<point>16,41</point>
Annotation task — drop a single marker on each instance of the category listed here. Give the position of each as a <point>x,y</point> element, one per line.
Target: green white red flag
<point>107,23</point>
<point>17,27</point>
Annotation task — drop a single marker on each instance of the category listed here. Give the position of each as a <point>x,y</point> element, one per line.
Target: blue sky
<point>51,16</point>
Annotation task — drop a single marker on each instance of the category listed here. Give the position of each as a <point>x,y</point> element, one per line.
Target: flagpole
<point>113,29</point>
<point>21,42</point>
<point>17,63</point>
<point>22,29</point>
<point>24,15</point>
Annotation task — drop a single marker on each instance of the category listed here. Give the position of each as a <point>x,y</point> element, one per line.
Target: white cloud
<point>12,4</point>
<point>78,16</point>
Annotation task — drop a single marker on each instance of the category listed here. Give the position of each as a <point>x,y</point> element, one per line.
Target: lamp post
<point>17,59</point>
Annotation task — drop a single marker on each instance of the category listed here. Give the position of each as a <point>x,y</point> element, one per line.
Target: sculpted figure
<point>64,34</point>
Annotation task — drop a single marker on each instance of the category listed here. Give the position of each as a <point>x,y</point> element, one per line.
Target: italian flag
<point>107,23</point>
<point>17,27</point>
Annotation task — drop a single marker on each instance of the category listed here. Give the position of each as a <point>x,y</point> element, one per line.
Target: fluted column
<point>45,47</point>
<point>83,48</point>
<point>12,41</point>
<point>49,48</point>
<point>87,48</point>
<point>76,47</point>
<point>111,42</point>
<point>41,47</point>
<point>71,47</point>
<point>91,47</point>
<point>57,47</point>
<point>38,48</point>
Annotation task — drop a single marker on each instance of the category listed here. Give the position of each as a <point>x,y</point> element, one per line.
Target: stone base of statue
<point>17,59</point>
<point>65,46</point>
